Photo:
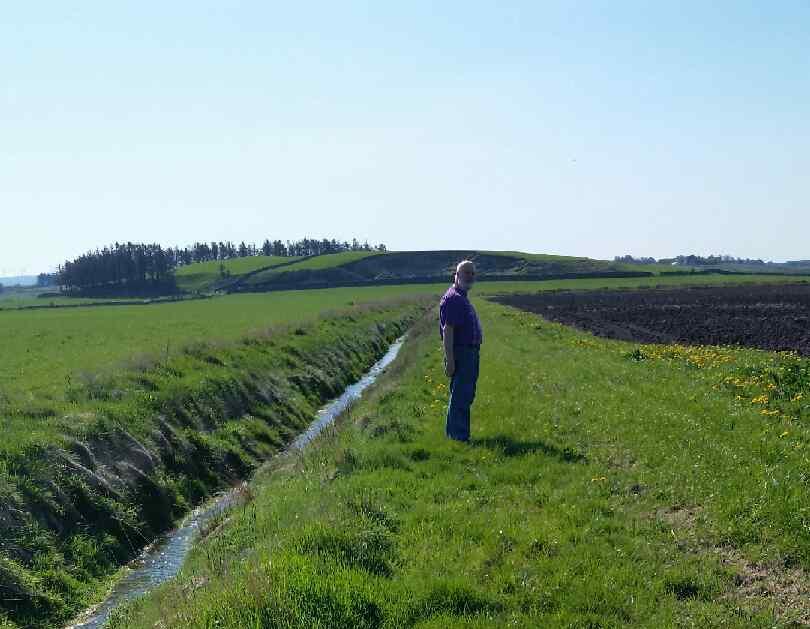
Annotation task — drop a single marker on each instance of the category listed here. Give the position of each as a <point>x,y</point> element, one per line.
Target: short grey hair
<point>464,264</point>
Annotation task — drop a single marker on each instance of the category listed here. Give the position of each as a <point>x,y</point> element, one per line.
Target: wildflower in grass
<point>797,397</point>
<point>760,399</point>
<point>784,434</point>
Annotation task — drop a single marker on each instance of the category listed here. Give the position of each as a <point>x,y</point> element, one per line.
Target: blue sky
<point>583,128</point>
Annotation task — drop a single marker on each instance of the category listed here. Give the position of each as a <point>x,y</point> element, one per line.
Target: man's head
<point>465,274</point>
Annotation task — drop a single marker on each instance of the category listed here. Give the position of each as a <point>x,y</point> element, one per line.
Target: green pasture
<point>603,487</point>
<point>317,263</point>
<point>42,348</point>
<point>47,354</point>
<point>210,413</point>
<point>12,298</point>
<point>201,275</point>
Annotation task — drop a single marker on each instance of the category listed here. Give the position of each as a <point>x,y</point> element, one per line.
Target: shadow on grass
<point>508,446</point>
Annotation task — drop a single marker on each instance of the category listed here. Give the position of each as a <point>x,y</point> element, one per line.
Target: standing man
<point>461,335</point>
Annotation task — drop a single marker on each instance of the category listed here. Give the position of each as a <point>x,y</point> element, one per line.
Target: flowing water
<point>162,560</point>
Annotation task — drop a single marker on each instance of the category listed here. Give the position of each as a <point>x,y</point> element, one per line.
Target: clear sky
<point>585,128</point>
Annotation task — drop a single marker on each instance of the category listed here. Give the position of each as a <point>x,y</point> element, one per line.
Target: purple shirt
<point>456,309</point>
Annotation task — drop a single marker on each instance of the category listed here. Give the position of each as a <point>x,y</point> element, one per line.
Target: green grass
<point>89,372</point>
<point>538,256</point>
<point>203,275</point>
<point>489,288</point>
<point>47,353</point>
<point>12,298</point>
<point>317,263</point>
<point>82,492</point>
<point>331,260</point>
<point>602,488</point>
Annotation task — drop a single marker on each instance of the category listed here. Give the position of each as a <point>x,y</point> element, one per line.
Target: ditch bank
<point>162,560</point>
<point>162,440</point>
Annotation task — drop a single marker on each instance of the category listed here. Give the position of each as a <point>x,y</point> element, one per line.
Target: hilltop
<point>357,268</point>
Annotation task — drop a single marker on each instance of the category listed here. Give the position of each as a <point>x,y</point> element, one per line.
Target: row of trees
<point>693,260</point>
<point>47,279</point>
<point>151,264</point>
<point>205,252</point>
<point>631,260</point>
<point>118,265</point>
<point>690,260</point>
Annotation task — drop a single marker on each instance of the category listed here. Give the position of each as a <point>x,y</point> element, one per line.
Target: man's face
<point>465,277</point>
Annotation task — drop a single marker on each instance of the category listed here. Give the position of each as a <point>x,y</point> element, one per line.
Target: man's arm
<point>449,359</point>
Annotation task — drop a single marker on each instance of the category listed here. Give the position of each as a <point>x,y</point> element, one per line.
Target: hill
<point>208,276</point>
<point>359,268</point>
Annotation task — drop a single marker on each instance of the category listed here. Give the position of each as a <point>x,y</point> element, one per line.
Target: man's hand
<point>449,367</point>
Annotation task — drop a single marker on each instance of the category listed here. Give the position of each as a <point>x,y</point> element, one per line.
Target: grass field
<point>86,482</point>
<point>265,271</point>
<point>44,347</point>
<point>603,487</point>
<point>46,351</point>
<point>688,426</point>
<point>317,263</point>
<point>22,297</point>
<point>203,275</point>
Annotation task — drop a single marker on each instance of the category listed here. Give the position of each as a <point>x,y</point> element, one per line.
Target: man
<point>461,335</point>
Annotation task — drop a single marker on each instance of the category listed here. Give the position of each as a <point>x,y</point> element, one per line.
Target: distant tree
<point>628,259</point>
<point>1,287</point>
<point>46,279</point>
<point>715,260</point>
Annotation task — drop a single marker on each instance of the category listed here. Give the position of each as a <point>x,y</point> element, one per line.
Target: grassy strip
<point>152,442</point>
<point>48,354</point>
<point>600,490</point>
<point>316,263</point>
<point>205,275</point>
<point>45,352</point>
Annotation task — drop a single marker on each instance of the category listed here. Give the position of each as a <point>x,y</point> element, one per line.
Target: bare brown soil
<point>772,317</point>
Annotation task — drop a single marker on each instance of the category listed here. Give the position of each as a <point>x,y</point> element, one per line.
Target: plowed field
<point>771,317</point>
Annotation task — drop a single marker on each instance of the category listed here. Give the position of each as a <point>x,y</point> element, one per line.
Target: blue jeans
<point>462,392</point>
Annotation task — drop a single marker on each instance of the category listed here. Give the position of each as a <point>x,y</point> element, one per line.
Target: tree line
<point>138,264</point>
<point>689,260</point>
<point>693,260</point>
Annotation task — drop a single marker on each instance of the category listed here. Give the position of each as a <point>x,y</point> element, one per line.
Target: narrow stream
<point>162,560</point>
